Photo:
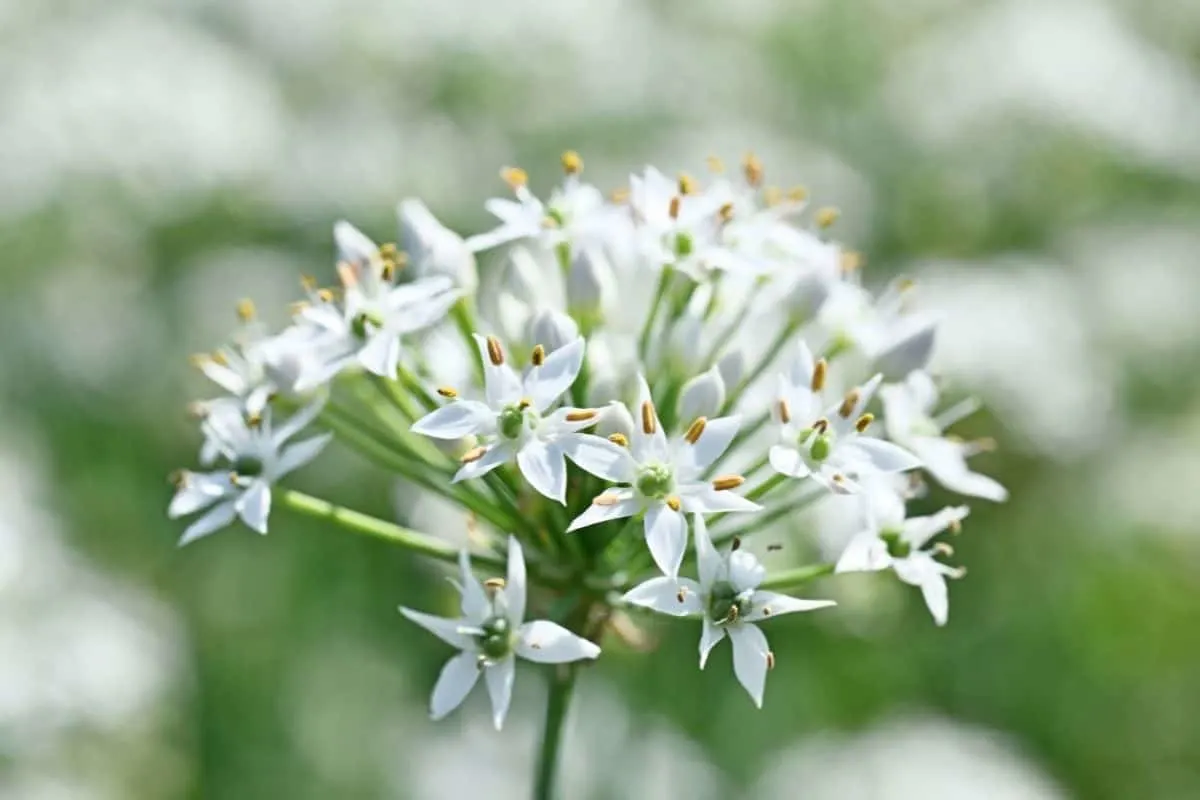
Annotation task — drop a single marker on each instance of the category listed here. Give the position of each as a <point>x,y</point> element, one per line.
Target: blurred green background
<point>1035,164</point>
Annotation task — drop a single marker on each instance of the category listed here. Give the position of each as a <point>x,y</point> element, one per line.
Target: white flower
<point>256,365</point>
<point>576,214</point>
<point>911,423</point>
<point>703,395</point>
<point>258,455</point>
<point>826,442</point>
<point>885,329</point>
<point>375,311</point>
<point>513,422</point>
<point>490,632</point>
<point>664,479</point>
<point>433,248</point>
<point>730,602</point>
<point>891,541</point>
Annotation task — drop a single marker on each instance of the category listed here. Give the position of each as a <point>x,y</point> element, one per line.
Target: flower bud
<point>732,366</point>
<point>615,418</point>
<point>908,349</point>
<point>591,284</point>
<point>551,329</point>
<point>702,396</point>
<point>433,248</point>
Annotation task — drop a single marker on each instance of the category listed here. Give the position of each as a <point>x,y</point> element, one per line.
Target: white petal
<point>297,422</point>
<point>454,684</point>
<point>713,443</point>
<point>496,455</point>
<point>448,630</point>
<point>420,293</point>
<point>750,654</point>
<point>666,536</point>
<point>678,597</point>
<point>919,530</point>
<point>709,637</point>
<point>545,384</point>
<point>765,605</point>
<point>555,425</point>
<point>419,317</point>
<point>381,353</point>
<point>601,458</point>
<point>474,604</point>
<point>499,677</point>
<point>597,513</point>
<point>882,456</point>
<point>514,587</point>
<point>218,517</point>
<point>550,643</point>
<point>254,506</point>
<point>708,560</point>
<point>543,466</point>
<point>647,446</point>
<point>800,373</point>
<point>919,569</point>
<point>457,419</point>
<point>865,552</point>
<point>223,376</point>
<point>294,456</point>
<point>705,499</point>
<point>199,490</point>
<point>502,385</point>
<point>745,571</point>
<point>352,244</point>
<point>946,461</point>
<point>788,461</point>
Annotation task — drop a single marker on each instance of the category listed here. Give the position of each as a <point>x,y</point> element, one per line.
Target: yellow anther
<point>308,283</point>
<point>943,548</point>
<point>325,295</point>
<point>219,357</point>
<point>770,657</point>
<point>772,196</point>
<point>725,482</point>
<point>695,430</point>
<point>955,526</point>
<point>388,251</point>
<point>245,310</point>
<point>524,403</point>
<point>649,418</point>
<point>852,261</point>
<point>864,422</point>
<point>472,455</point>
<point>447,392</point>
<point>715,165</point>
<point>687,184</point>
<point>619,196</point>
<point>538,356</point>
<point>605,500</point>
<point>673,209</point>
<point>179,478</point>
<point>767,611</point>
<point>725,212</point>
<point>580,415</point>
<point>347,274</point>
<point>494,351</point>
<point>785,412</point>
<point>906,285</point>
<point>572,164</point>
<point>752,168</point>
<point>494,584</point>
<point>674,503</point>
<point>820,372</point>
<point>515,177</point>
<point>797,194</point>
<point>618,439</point>
<point>849,403</point>
<point>826,216</point>
<point>820,426</point>
<point>681,594</point>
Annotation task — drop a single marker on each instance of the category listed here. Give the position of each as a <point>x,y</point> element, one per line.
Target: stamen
<point>233,476</point>
<point>943,548</point>
<point>723,482</point>
<point>347,274</point>
<point>736,544</point>
<point>619,196</point>
<point>572,164</point>
<point>774,548</point>
<point>827,216</point>
<point>848,403</point>
<point>200,360</point>
<point>767,611</point>
<point>494,584</point>
<point>605,500</point>
<point>649,418</point>
<point>515,177</point>
<point>687,184</point>
<point>495,353</point>
<point>820,426</point>
<point>838,478</point>
<point>524,403</point>
<point>197,410</point>
<point>674,503</point>
<point>820,372</point>
<point>673,209</point>
<point>447,392</point>
<point>245,310</point>
<point>752,168</point>
<point>178,478</point>
<point>580,415</point>
<point>695,430</point>
<point>797,194</point>
<point>955,526</point>
<point>864,422</point>
<point>618,439</point>
<point>770,660</point>
<point>472,455</point>
<point>732,615</point>
<point>254,420</point>
<point>725,212</point>
<point>538,356</point>
<point>714,164</point>
<point>682,593</point>
<point>785,413</point>
<point>325,295</point>
<point>772,196</point>
<point>852,261</point>
<point>308,283</point>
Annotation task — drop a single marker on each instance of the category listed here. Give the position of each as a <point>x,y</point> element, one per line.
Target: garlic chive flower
<point>490,633</point>
<point>257,455</point>
<point>826,443</point>
<point>662,479</point>
<point>728,600</point>
<point>890,541</point>
<point>912,423</point>
<point>514,421</point>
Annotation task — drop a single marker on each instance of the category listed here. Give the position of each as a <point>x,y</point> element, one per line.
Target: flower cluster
<point>682,361</point>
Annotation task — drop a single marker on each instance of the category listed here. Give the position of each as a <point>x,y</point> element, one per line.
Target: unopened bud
<point>909,348</point>
<point>434,249</point>
<point>703,395</point>
<point>732,366</point>
<point>552,329</point>
<point>591,284</point>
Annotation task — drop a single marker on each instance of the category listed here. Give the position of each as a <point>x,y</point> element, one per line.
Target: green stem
<point>760,521</point>
<point>660,291</point>
<point>464,321</point>
<point>729,332</point>
<point>766,486</point>
<point>794,577</point>
<point>768,358</point>
<point>562,686</point>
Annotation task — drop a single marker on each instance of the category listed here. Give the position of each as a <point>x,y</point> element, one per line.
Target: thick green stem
<point>562,686</point>
<point>664,280</point>
<point>797,576</point>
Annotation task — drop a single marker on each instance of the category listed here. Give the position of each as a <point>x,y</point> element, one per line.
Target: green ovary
<point>511,421</point>
<point>725,604</point>
<point>496,641</point>
<point>655,481</point>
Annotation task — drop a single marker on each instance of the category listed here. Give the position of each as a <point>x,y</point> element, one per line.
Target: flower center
<point>925,426</point>
<point>726,604</point>
<point>818,440</point>
<point>511,421</point>
<point>360,323</point>
<point>496,640</point>
<point>655,480</point>
<point>684,244</point>
<point>248,466</point>
<point>896,547</point>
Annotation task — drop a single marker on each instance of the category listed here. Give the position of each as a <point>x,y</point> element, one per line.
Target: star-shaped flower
<point>515,421</point>
<point>729,600</point>
<point>911,423</point>
<point>827,443</point>
<point>490,633</point>
<point>891,541</point>
<point>258,455</point>
<point>663,478</point>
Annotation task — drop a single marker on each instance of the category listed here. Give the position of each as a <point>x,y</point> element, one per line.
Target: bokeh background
<point>1035,163</point>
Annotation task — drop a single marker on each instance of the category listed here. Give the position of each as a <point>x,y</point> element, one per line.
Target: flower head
<point>662,478</point>
<point>728,599</point>
<point>491,632</point>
